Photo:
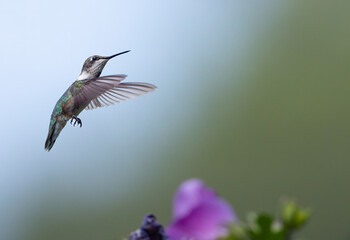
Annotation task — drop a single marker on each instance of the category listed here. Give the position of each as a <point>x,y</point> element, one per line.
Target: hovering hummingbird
<point>91,91</point>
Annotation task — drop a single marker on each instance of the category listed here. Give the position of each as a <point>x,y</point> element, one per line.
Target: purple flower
<point>198,213</point>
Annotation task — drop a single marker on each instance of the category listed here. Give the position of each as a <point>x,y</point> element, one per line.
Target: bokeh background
<point>253,98</point>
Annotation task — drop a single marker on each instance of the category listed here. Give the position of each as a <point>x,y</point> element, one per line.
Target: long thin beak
<point>117,54</point>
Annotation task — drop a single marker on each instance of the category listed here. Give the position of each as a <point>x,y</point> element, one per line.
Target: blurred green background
<point>252,98</point>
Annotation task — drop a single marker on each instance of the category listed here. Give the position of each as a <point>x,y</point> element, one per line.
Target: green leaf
<point>293,215</point>
<point>263,228</point>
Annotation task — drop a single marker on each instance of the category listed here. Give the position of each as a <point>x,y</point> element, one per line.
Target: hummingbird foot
<point>77,121</point>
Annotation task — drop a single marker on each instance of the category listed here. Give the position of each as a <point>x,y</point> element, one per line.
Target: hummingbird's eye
<point>94,58</point>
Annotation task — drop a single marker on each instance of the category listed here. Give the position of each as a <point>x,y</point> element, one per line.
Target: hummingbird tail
<point>54,131</point>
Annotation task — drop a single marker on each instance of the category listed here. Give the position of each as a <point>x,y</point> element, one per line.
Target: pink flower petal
<point>198,213</point>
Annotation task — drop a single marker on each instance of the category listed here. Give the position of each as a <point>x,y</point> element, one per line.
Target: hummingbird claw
<point>77,121</point>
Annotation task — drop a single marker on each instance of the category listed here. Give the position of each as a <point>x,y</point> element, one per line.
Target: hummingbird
<point>91,91</point>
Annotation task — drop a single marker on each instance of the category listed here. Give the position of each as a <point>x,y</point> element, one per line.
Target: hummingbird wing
<point>108,90</point>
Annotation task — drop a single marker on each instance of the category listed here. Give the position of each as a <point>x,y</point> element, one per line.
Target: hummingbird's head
<point>94,65</point>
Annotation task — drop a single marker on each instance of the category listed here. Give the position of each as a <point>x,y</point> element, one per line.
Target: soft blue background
<point>252,97</point>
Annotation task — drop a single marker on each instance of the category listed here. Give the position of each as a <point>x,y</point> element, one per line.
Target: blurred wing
<point>108,90</point>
